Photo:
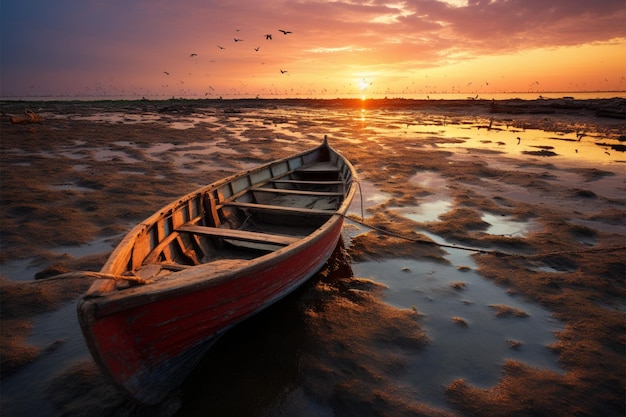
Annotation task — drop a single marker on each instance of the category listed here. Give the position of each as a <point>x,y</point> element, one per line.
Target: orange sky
<point>336,48</point>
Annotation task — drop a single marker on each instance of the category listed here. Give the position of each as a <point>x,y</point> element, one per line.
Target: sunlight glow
<point>349,48</point>
<point>456,3</point>
<point>396,10</point>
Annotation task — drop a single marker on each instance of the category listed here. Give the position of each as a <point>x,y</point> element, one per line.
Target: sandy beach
<point>482,271</point>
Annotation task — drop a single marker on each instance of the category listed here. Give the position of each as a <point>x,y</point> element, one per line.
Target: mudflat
<point>533,191</point>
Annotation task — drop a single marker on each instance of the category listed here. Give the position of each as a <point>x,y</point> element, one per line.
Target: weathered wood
<point>153,257</point>
<point>319,167</point>
<point>210,207</point>
<point>294,210</point>
<point>173,266</point>
<point>239,234</point>
<point>99,275</point>
<point>307,182</point>
<point>299,192</point>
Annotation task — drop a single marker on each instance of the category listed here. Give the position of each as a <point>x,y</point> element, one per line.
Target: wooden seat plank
<point>309,182</point>
<point>295,210</point>
<point>320,167</point>
<point>239,234</point>
<point>299,192</point>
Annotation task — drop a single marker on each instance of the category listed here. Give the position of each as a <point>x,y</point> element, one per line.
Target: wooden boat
<point>209,260</point>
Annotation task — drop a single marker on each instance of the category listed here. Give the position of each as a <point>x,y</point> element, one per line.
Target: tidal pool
<point>506,225</point>
<point>59,337</point>
<point>468,340</point>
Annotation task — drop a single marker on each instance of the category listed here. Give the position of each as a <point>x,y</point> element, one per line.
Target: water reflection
<point>506,225</point>
<point>427,211</point>
<point>516,141</point>
<point>468,341</point>
<point>58,336</point>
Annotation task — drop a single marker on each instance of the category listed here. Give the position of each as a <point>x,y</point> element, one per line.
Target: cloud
<point>138,40</point>
<point>322,50</point>
<point>504,25</point>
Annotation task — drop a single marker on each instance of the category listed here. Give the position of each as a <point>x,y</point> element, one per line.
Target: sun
<point>363,84</point>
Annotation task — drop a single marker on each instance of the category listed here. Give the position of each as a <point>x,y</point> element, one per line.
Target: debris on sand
<point>29,116</point>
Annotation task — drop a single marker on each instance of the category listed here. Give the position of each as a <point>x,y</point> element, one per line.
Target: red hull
<point>164,339</point>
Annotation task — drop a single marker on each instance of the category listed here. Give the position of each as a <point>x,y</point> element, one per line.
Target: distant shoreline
<point>364,96</point>
<point>614,108</point>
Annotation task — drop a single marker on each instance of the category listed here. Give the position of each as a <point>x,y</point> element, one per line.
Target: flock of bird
<point>268,37</point>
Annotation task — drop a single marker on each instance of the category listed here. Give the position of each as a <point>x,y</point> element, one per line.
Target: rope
<point>414,239</point>
<point>483,251</point>
<point>98,275</point>
<point>361,196</point>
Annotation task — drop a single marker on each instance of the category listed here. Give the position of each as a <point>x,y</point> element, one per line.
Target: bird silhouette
<point>268,36</point>
<point>283,71</point>
<point>238,40</point>
<point>221,47</point>
<point>518,140</point>
<point>192,55</point>
<point>285,32</point>
<point>257,48</point>
<point>166,73</point>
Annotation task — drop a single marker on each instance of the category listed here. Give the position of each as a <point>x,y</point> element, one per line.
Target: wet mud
<point>545,225</point>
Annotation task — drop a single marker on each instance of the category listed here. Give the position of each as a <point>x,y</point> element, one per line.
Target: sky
<point>336,48</point>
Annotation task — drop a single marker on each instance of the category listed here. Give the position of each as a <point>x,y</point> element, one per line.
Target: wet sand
<point>449,171</point>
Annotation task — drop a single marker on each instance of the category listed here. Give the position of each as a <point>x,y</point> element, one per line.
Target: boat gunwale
<point>103,291</point>
<point>128,241</point>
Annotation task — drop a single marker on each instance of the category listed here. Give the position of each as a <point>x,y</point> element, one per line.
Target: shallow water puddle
<point>103,244</point>
<point>20,269</point>
<point>113,117</point>
<point>431,207</point>
<point>427,211</point>
<point>194,153</point>
<point>58,335</point>
<point>506,225</point>
<point>70,187</point>
<point>532,142</point>
<point>468,340</point>
<point>25,269</point>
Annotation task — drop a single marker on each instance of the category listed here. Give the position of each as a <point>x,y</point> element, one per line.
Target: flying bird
<point>166,73</point>
<point>238,40</point>
<point>221,47</point>
<point>257,48</point>
<point>192,55</point>
<point>285,32</point>
<point>283,71</point>
<point>268,36</point>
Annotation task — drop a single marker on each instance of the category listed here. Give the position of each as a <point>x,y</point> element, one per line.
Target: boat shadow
<point>256,364</point>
